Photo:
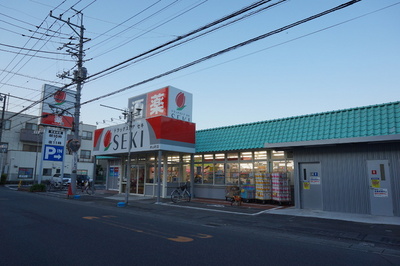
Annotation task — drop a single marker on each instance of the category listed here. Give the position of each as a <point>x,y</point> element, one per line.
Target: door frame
<point>315,184</point>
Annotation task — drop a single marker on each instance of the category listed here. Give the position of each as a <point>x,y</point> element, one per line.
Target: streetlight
<point>130,115</point>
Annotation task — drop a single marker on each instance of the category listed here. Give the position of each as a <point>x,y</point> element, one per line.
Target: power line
<point>217,53</point>
<point>140,58</point>
<point>31,50</point>
<point>22,21</point>
<point>231,48</point>
<point>118,25</point>
<point>137,23</point>
<point>153,28</point>
<point>227,17</point>
<point>26,76</point>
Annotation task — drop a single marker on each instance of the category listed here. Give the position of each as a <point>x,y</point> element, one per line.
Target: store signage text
<point>121,141</point>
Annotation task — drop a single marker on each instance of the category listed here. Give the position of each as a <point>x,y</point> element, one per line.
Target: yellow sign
<point>306,185</point>
<point>376,182</point>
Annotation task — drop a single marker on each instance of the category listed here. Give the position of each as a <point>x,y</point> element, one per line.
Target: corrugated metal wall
<point>344,180</point>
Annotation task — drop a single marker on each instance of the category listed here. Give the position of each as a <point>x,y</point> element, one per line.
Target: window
<point>173,174</point>
<point>31,148</point>
<point>232,173</point>
<point>278,154</point>
<point>7,124</point>
<point>173,159</point>
<point>246,156</point>
<point>85,154</point>
<point>3,147</point>
<point>47,171</point>
<point>219,174</point>
<point>208,175</point>
<point>198,176</point>
<point>246,173</point>
<point>260,155</point>
<point>87,135</point>
<point>208,157</point>
<point>220,157</point>
<point>232,156</point>
<point>31,126</point>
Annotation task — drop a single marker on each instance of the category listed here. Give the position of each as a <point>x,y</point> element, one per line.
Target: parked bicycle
<point>181,194</point>
<point>53,185</point>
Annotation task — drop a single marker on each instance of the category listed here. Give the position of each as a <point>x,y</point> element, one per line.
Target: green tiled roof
<point>368,121</point>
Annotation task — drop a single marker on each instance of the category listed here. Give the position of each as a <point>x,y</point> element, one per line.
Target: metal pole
<point>3,98</point>
<point>159,177</point>
<point>128,170</point>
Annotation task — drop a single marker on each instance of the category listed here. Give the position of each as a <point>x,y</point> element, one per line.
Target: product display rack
<point>263,187</point>
<point>280,188</point>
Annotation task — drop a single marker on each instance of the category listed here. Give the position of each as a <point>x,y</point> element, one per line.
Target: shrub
<point>37,188</point>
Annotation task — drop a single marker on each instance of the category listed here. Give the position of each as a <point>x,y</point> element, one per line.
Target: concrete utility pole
<point>3,99</point>
<point>79,77</point>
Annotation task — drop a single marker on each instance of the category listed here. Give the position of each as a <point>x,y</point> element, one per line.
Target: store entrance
<point>138,173</point>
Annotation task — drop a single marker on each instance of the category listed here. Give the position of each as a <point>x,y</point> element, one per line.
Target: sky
<point>347,58</point>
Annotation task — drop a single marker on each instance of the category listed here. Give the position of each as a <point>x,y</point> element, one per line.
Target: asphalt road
<point>40,230</point>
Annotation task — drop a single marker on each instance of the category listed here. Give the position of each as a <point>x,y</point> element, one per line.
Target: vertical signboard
<point>167,101</point>
<point>54,143</point>
<point>58,106</point>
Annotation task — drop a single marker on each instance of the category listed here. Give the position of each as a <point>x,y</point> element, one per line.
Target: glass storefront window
<point>278,154</point>
<point>198,158</point>
<point>208,174</point>
<point>246,173</point>
<point>173,159</point>
<point>260,155</point>
<point>173,174</point>
<point>246,156</point>
<point>151,175</point>
<point>198,173</point>
<point>232,173</point>
<point>186,172</point>
<point>219,173</point>
<point>232,156</point>
<point>278,166</point>
<point>208,157</point>
<point>186,158</point>
<point>151,157</point>
<point>260,167</point>
<point>220,157</point>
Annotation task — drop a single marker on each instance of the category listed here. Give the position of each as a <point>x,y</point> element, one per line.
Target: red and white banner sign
<point>58,107</point>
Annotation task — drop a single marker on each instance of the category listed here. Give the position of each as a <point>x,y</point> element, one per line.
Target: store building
<point>340,161</point>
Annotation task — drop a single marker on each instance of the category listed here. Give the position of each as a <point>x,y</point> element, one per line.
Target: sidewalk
<point>256,209</point>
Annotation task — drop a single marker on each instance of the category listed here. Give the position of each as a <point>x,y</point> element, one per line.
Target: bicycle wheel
<point>175,196</point>
<point>89,190</point>
<point>186,195</point>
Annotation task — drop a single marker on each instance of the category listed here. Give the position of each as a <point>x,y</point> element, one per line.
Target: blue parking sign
<point>53,153</point>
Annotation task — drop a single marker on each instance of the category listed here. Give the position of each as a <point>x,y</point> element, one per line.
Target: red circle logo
<point>107,140</point>
<point>59,97</point>
<point>180,100</point>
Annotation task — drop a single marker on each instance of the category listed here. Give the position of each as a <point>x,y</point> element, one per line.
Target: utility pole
<point>3,99</point>
<point>79,76</point>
